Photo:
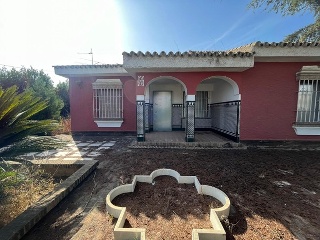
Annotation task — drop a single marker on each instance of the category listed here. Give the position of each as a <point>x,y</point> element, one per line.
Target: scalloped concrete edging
<point>216,214</point>
<point>18,227</point>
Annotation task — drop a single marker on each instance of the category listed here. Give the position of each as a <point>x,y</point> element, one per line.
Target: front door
<point>162,111</point>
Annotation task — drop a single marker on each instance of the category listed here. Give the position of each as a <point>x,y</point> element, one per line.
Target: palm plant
<point>16,125</point>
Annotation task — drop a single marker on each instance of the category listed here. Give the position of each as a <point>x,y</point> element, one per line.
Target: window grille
<point>308,101</point>
<point>107,99</point>
<point>202,107</point>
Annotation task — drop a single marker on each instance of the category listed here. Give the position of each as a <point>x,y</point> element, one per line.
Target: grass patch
<point>21,185</point>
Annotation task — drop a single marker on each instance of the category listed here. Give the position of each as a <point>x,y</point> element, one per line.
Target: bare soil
<point>274,193</point>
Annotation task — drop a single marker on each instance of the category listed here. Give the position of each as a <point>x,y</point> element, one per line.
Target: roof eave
<point>287,52</point>
<point>194,69</point>
<point>287,59</point>
<point>186,64</point>
<point>90,70</point>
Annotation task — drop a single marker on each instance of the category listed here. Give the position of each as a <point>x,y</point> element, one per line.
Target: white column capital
<point>140,98</point>
<point>191,98</point>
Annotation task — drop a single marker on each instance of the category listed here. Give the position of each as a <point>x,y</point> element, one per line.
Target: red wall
<point>268,98</point>
<point>269,102</point>
<point>81,105</point>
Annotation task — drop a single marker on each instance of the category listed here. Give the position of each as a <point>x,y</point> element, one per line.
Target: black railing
<point>225,118</point>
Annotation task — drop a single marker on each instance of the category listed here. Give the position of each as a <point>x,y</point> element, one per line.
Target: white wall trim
<point>140,97</point>
<point>191,98</point>
<point>307,130</point>
<point>109,123</point>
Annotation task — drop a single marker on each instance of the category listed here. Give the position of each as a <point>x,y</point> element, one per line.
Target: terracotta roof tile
<point>288,44</point>
<point>251,46</point>
<point>245,48</point>
<point>190,54</point>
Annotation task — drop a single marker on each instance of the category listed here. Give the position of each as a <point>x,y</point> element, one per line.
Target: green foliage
<point>8,177</point>
<point>62,90</point>
<point>13,77</point>
<point>288,7</point>
<point>37,82</point>
<point>291,7</point>
<point>16,111</point>
<point>306,34</point>
<point>5,175</point>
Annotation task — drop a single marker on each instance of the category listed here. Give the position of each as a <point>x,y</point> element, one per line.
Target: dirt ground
<point>165,205</point>
<point>274,193</point>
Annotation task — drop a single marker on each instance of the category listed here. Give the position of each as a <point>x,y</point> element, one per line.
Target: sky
<point>44,33</point>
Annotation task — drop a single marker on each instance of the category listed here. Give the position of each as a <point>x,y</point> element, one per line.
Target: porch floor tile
<point>179,136</point>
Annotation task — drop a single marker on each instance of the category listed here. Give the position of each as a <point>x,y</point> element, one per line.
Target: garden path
<point>73,150</point>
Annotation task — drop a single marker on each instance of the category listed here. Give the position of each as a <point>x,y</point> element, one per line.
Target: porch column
<point>190,104</point>
<point>146,117</point>
<point>140,118</point>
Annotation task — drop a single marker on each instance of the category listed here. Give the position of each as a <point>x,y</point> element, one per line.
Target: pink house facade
<point>257,92</point>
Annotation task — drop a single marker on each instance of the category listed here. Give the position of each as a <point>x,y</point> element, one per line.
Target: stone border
<point>18,227</point>
<point>216,214</point>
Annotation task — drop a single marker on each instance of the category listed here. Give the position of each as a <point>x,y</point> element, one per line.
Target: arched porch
<point>164,104</point>
<point>166,107</point>
<point>217,106</point>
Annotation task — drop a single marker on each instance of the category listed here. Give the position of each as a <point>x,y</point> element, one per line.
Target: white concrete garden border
<point>216,214</point>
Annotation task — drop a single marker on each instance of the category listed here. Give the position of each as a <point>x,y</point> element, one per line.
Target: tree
<point>290,7</point>
<point>62,90</point>
<point>16,125</point>
<point>39,83</point>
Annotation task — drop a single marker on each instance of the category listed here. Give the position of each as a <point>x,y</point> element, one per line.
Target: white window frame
<point>108,102</point>
<point>308,105</point>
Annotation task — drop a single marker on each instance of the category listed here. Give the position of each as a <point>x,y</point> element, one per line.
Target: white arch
<point>147,88</point>
<point>165,77</point>
<point>233,84</point>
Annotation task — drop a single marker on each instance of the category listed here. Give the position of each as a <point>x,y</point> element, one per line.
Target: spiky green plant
<point>16,109</point>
